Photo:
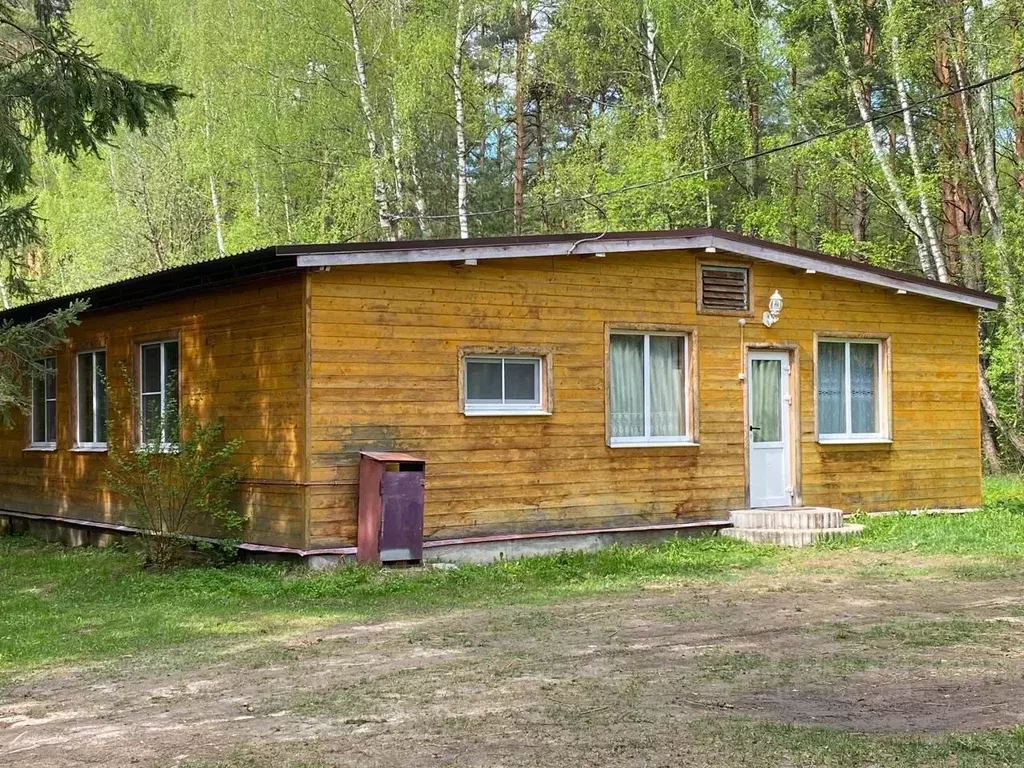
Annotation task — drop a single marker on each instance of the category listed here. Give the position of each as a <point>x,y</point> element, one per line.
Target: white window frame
<point>648,439</point>
<point>881,433</point>
<point>80,444</point>
<point>44,445</point>
<point>164,446</point>
<point>536,407</point>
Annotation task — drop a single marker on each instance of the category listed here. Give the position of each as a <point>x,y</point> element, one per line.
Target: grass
<point>994,531</point>
<point>67,605</point>
<point>736,740</point>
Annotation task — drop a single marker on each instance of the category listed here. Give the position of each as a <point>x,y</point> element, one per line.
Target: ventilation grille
<point>724,288</point>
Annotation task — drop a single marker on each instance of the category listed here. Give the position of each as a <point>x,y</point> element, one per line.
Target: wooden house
<point>555,385</point>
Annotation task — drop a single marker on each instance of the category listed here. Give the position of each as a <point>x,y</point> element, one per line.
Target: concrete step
<point>789,537</point>
<point>787,518</point>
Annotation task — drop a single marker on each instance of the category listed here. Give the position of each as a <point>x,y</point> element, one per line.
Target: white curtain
<point>863,387</point>
<point>666,387</point>
<point>831,388</point>
<point>626,354</point>
<point>766,400</point>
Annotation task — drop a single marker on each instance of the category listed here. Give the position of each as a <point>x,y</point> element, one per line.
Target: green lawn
<point>914,624</point>
<point>67,605</point>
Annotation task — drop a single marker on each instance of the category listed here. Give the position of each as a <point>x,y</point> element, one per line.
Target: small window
<point>724,289</point>
<point>647,389</point>
<point>504,385</point>
<point>850,390</point>
<point>44,405</point>
<point>91,400</point>
<point>158,395</point>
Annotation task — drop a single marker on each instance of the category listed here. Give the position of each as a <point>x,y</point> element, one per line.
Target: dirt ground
<point>611,680</point>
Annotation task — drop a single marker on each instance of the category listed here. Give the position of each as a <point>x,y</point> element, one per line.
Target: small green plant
<point>179,485</point>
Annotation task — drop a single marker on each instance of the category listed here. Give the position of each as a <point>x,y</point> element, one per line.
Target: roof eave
<point>596,244</point>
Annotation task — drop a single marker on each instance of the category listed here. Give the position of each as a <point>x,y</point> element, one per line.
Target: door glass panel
<point>831,388</point>
<point>863,387</point>
<point>626,361</point>
<point>766,401</point>
<point>667,387</point>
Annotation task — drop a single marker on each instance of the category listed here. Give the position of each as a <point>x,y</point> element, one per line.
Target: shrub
<point>174,490</point>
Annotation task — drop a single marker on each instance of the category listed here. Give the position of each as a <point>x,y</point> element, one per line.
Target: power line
<point>727,163</point>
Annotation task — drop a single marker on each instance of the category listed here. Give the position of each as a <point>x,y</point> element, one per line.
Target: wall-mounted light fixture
<point>771,317</point>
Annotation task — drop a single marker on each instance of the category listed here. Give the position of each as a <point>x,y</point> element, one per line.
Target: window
<point>504,385</point>
<point>44,405</point>
<point>158,398</point>
<point>724,289</point>
<point>91,400</point>
<point>647,388</point>
<point>850,390</point>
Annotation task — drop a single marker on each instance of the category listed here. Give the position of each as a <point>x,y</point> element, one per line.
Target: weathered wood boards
<point>309,368</point>
<point>242,358</point>
<point>384,374</point>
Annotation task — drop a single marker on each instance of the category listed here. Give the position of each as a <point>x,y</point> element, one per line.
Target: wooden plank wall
<point>384,368</point>
<point>242,358</point>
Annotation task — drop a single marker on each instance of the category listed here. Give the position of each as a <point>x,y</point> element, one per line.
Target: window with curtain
<point>647,388</point>
<point>158,395</point>
<point>44,405</point>
<point>91,400</point>
<point>849,389</point>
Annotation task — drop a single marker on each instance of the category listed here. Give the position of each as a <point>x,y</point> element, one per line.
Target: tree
<point>54,90</point>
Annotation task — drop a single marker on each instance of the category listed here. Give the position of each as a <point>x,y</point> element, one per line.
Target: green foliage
<point>22,345</point>
<point>173,491</point>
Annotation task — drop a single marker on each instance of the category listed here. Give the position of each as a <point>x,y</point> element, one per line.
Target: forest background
<point>884,131</point>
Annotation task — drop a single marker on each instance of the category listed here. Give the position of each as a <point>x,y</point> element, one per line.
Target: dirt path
<point>601,681</point>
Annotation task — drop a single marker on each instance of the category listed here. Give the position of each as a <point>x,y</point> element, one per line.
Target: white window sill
<point>499,412</point>
<point>93,448</point>
<point>40,448</point>
<point>653,444</point>
<point>854,441</point>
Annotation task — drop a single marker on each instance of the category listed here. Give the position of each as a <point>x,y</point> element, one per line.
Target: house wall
<point>385,375</point>
<point>242,358</point>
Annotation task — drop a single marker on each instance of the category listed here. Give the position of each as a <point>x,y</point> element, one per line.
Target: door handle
<point>752,428</point>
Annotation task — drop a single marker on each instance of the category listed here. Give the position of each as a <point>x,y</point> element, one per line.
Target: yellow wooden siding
<point>384,374</point>
<point>242,355</point>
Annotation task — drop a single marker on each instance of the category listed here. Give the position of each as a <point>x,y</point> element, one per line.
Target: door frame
<point>792,349</point>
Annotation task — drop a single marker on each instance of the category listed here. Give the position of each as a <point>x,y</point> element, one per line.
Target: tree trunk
<point>651,54</point>
<point>385,220</point>
<point>927,220</point>
<point>878,149</point>
<point>460,122</point>
<point>419,200</point>
<point>218,222</point>
<point>519,170</point>
<point>396,161</point>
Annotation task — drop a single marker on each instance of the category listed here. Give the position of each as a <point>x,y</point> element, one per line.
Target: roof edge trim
<point>589,245</point>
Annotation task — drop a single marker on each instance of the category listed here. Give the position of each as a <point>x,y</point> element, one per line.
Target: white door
<point>768,428</point>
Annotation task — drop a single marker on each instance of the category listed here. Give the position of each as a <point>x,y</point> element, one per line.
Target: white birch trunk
<point>218,221</point>
<point>419,199</point>
<point>878,150</point>
<point>396,155</point>
<point>651,53</point>
<point>705,160</point>
<point>938,257</point>
<point>384,218</point>
<point>460,124</point>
